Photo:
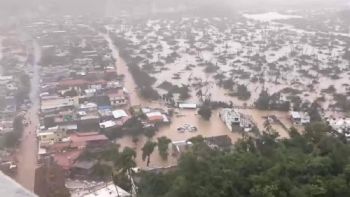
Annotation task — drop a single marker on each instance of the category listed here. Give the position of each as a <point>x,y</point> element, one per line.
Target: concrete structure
<point>93,189</point>
<point>232,117</point>
<point>188,106</point>
<point>300,117</point>
<point>51,135</point>
<point>52,105</point>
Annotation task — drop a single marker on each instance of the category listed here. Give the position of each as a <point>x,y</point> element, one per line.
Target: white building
<point>232,117</point>
<point>94,189</point>
<point>300,117</point>
<point>188,106</point>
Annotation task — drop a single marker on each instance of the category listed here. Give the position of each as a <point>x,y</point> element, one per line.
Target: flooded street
<point>214,127</point>
<point>129,83</point>
<point>28,149</point>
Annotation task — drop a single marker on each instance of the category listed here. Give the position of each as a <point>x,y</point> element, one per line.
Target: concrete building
<point>300,117</point>
<point>232,117</point>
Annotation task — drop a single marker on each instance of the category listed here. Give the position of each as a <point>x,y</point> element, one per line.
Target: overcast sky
<point>18,7</point>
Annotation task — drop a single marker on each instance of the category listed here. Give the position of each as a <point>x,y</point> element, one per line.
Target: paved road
<point>28,149</point>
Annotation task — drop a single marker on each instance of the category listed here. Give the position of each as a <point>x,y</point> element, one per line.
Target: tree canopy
<point>315,163</point>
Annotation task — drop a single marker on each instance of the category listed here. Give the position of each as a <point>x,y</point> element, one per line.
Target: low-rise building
<point>117,97</point>
<point>52,105</point>
<point>300,117</point>
<point>232,118</point>
<point>51,135</point>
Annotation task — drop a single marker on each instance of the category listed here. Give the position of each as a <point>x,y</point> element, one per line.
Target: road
<point>122,69</point>
<point>28,149</point>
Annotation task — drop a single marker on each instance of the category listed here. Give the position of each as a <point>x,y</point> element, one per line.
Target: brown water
<point>214,127</point>
<point>129,83</point>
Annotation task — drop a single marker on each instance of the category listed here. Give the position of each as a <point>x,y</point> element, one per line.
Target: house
<point>105,113</point>
<point>117,97</point>
<point>6,125</point>
<point>300,117</point>
<point>233,118</point>
<point>113,84</point>
<point>222,142</point>
<point>56,104</point>
<point>179,147</point>
<point>83,168</point>
<point>157,117</point>
<point>117,114</point>
<point>67,159</point>
<point>88,107</point>
<point>51,135</point>
<point>187,106</point>
<point>76,84</point>
<point>90,92</point>
<point>230,116</point>
<point>108,124</point>
<point>82,140</point>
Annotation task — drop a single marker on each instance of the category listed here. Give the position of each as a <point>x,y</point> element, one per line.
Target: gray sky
<point>19,7</point>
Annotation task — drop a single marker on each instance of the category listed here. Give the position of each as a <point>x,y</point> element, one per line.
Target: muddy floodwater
<point>214,127</point>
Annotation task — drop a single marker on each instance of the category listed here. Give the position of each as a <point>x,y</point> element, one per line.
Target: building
<point>95,189</point>
<point>82,140</point>
<point>188,106</point>
<point>300,117</point>
<point>222,142</point>
<point>157,117</point>
<point>179,147</point>
<point>52,105</point>
<point>233,118</point>
<point>117,97</point>
<point>83,168</point>
<point>51,135</point>
<point>117,114</point>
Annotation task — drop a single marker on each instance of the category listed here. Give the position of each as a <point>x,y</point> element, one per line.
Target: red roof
<point>81,139</point>
<point>67,159</point>
<point>115,92</point>
<point>73,82</point>
<point>58,147</point>
<point>155,118</point>
<point>101,82</point>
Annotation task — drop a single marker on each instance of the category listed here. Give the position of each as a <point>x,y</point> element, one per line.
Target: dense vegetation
<point>11,139</point>
<point>271,102</point>
<point>315,163</point>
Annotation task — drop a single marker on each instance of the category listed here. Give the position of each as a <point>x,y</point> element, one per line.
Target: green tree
<point>300,166</point>
<point>147,151</point>
<point>126,159</point>
<point>263,101</point>
<point>205,111</point>
<point>163,146</point>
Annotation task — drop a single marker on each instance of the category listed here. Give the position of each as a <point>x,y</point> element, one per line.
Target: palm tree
<point>147,150</point>
<point>127,159</point>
